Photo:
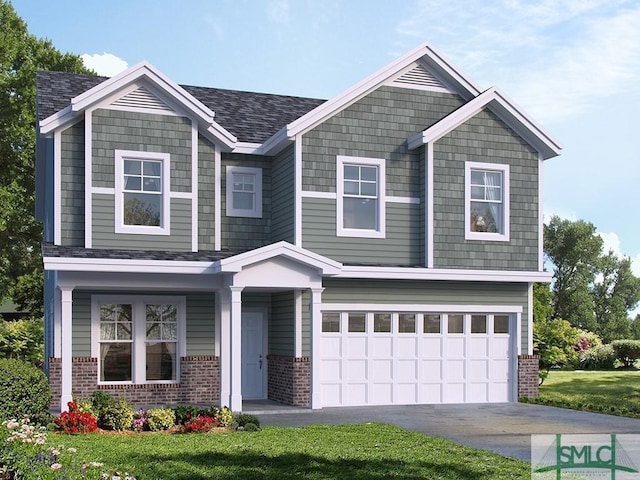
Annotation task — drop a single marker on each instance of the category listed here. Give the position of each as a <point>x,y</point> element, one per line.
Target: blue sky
<point>573,65</point>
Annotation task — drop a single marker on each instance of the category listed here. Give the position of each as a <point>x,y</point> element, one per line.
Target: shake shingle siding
<point>283,196</point>
<point>281,324</point>
<point>242,233</point>
<point>72,186</point>
<point>484,138</point>
<point>206,195</point>
<point>376,126</point>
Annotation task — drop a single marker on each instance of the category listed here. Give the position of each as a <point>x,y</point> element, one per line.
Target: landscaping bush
<point>244,419</point>
<point>222,414</point>
<point>160,418</point>
<point>200,424</point>
<point>599,357</point>
<point>184,413</point>
<point>73,422</point>
<point>627,351</point>
<point>24,392</point>
<point>117,416</point>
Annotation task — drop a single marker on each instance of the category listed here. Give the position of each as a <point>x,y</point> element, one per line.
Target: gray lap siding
<point>72,186</point>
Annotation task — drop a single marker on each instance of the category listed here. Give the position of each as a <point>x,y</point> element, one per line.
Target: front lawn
<point>612,392</point>
<point>368,451</point>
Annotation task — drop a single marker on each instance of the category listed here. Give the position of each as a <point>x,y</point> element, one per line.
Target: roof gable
<point>505,109</point>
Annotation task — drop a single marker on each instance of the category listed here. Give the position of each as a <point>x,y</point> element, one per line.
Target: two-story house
<point>206,246</point>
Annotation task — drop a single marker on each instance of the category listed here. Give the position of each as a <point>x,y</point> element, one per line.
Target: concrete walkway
<point>504,428</point>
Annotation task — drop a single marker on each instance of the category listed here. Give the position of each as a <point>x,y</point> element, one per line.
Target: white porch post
<point>235,403</point>
<point>223,305</point>
<point>316,330</point>
<point>66,346</point>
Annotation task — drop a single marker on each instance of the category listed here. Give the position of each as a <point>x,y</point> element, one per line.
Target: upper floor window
<point>486,201</point>
<point>360,202</point>
<point>244,192</point>
<point>142,192</point>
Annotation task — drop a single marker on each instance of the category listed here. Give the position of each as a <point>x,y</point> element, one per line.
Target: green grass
<point>367,451</point>
<point>612,392</point>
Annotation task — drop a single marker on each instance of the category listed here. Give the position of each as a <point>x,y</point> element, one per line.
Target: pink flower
<point>56,466</point>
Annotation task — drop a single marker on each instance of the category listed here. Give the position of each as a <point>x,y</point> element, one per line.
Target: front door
<point>253,357</point>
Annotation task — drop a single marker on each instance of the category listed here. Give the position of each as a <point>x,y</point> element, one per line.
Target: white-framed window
<point>142,192</point>
<point>360,185</point>
<point>137,339</point>
<point>486,201</point>
<point>244,191</point>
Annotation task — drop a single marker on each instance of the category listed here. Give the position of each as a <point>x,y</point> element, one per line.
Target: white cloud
<point>610,242</point>
<point>105,64</point>
<point>278,11</point>
<point>556,58</point>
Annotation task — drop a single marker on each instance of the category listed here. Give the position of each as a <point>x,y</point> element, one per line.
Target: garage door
<point>386,358</point>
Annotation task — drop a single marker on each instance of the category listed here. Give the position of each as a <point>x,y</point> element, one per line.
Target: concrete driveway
<point>504,428</point>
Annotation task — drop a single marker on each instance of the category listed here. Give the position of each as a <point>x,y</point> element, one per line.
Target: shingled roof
<point>250,117</point>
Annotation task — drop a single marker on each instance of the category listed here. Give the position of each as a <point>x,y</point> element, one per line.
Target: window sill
<point>352,232</point>
<point>489,237</point>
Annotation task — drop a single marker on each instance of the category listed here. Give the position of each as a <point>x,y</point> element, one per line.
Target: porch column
<point>223,306</point>
<point>316,330</point>
<point>235,403</point>
<point>66,346</point>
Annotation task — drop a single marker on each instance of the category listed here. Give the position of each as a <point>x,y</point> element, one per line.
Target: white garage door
<point>386,358</point>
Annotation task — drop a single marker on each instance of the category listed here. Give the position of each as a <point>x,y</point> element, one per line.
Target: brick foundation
<point>199,383</point>
<point>528,376</point>
<point>289,380</point>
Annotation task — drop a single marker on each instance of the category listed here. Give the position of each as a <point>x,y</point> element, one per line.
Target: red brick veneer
<point>528,366</point>
<point>289,380</point>
<point>199,383</point>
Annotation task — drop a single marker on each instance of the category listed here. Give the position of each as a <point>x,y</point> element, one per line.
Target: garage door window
<point>357,322</point>
<point>331,322</point>
<point>455,324</point>
<point>501,324</point>
<point>478,324</point>
<point>382,322</point>
<point>407,323</point>
<point>431,323</point>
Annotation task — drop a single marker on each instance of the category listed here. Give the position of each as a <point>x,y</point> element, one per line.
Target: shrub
<point>200,424</point>
<point>223,414</point>
<point>24,392</point>
<point>100,402</point>
<point>600,357</point>
<point>23,340</point>
<point>160,419</point>
<point>117,416</point>
<point>73,422</point>
<point>185,413</point>
<point>251,427</point>
<point>243,419</point>
<point>627,351</point>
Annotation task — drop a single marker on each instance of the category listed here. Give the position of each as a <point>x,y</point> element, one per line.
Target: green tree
<point>615,292</point>
<point>21,55</point>
<point>553,341</point>
<point>542,302</point>
<point>575,250</point>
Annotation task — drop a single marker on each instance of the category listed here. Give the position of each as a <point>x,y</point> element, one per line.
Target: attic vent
<point>419,77</point>
<point>142,98</point>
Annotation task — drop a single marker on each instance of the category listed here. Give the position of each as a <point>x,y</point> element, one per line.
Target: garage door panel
<point>454,369</point>
<point>478,392</point>
<point>432,347</point>
<point>407,347</point>
<point>356,347</point>
<point>331,394</point>
<point>407,371</point>
<point>454,392</point>
<point>407,393</point>
<point>479,347</point>
<point>331,346</point>
<point>500,370</point>
<point>356,370</point>
<point>382,347</point>
<point>478,369</point>
<point>455,347</point>
<point>499,392</point>
<point>500,346</point>
<point>382,393</point>
<point>432,370</point>
<point>355,394</point>
<point>431,393</point>
<point>331,370</point>
<point>382,370</point>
